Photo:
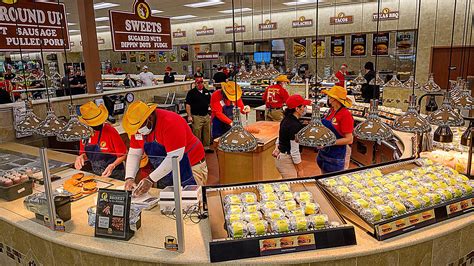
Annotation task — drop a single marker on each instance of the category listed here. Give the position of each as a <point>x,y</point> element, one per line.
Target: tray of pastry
<point>260,219</point>
<point>397,198</point>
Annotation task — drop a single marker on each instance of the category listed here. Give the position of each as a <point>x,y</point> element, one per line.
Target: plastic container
<point>16,191</point>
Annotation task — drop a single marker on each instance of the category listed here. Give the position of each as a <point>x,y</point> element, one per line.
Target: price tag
<point>113,214</point>
<point>118,106</point>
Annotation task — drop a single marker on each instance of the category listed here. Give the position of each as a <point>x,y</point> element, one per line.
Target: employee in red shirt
<point>162,135</point>
<point>341,75</point>
<point>274,97</point>
<point>105,150</point>
<point>222,105</point>
<point>340,121</point>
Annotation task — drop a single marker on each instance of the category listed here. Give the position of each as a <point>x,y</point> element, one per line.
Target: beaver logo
<point>143,10</point>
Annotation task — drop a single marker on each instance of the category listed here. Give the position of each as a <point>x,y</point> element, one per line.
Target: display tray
<point>412,220</point>
<point>223,247</point>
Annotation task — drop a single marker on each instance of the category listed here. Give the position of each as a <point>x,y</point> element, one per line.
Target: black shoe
<point>208,151</point>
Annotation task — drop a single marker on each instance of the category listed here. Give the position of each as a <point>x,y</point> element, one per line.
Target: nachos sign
<point>139,30</point>
<point>33,26</point>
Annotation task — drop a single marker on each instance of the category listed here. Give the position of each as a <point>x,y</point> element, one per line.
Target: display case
<point>396,198</point>
<point>252,95</point>
<point>286,225</point>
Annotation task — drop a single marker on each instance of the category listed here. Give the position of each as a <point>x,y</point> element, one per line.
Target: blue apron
<point>219,128</point>
<point>100,160</point>
<point>331,159</point>
<point>157,153</point>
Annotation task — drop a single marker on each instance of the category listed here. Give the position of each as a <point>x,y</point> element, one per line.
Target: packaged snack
<point>329,182</point>
<point>360,204</point>
<point>402,194</point>
<point>252,216</point>
<point>434,197</point>
<point>422,190</point>
<point>367,192</point>
<point>451,181</point>
<point>412,192</point>
<point>237,229</point>
<point>390,188</point>
<point>465,188</point>
<point>385,210</point>
<point>251,208</point>
<point>318,221</point>
<point>413,203</point>
<point>444,194</point>
<point>232,199</point>
<point>345,179</point>
<point>372,214</point>
<point>377,200</point>
<point>429,185</point>
<point>369,183</point>
<point>390,197</point>
<point>357,177</point>
<point>233,217</point>
<point>300,223</point>
<point>356,185</point>
<point>281,226</point>
<point>232,209</point>
<point>376,172</point>
<point>265,188</point>
<point>259,227</point>
<point>381,181</point>
<point>441,184</point>
<point>286,196</point>
<point>402,185</point>
<point>411,182</point>
<point>310,208</point>
<point>303,196</point>
<point>352,196</point>
<point>281,187</point>
<point>398,207</point>
<point>377,190</point>
<point>269,196</point>
<point>248,198</point>
<point>455,191</point>
<point>461,178</point>
<point>274,215</point>
<point>342,190</point>
<point>269,205</point>
<point>289,205</point>
<point>297,212</point>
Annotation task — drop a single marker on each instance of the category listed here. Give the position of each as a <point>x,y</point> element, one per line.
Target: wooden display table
<point>251,166</point>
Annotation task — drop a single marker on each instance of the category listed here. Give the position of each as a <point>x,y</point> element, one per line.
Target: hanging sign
<point>380,44</point>
<point>338,45</point>
<point>318,47</point>
<point>33,26</point>
<point>386,14</point>
<point>405,42</point>
<point>179,34</point>
<point>205,31</point>
<point>341,19</point>
<point>268,25</point>
<point>237,29</point>
<point>299,47</point>
<point>113,214</point>
<point>207,56</point>
<point>139,30</point>
<point>302,22</point>
<point>358,44</point>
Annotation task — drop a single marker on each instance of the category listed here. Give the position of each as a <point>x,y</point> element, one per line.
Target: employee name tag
<point>138,136</point>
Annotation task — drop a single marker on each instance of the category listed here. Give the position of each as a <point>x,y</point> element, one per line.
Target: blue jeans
<point>329,165</point>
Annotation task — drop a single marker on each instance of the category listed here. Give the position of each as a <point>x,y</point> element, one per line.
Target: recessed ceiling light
<point>237,10</point>
<point>102,19</point>
<point>183,17</point>
<point>72,31</point>
<point>156,11</point>
<point>71,24</point>
<point>205,4</point>
<point>103,5</point>
<point>102,27</point>
<point>300,2</point>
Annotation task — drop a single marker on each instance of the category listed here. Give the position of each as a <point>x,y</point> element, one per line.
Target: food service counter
<point>22,238</point>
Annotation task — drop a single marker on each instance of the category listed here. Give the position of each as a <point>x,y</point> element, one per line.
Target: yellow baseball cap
<point>229,88</point>
<point>136,115</point>
<point>93,115</point>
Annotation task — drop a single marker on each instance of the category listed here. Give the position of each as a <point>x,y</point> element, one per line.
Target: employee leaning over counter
<point>275,97</point>
<point>222,104</point>
<point>105,150</point>
<point>162,135</point>
<point>287,153</point>
<point>340,121</point>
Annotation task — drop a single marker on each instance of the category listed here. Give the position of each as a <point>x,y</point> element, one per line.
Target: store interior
<point>386,181</point>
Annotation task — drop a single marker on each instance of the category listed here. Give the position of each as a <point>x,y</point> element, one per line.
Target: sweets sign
<point>33,26</point>
<point>139,30</point>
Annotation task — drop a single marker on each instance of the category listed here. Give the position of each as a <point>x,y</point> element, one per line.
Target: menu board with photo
<point>184,53</point>
<point>299,47</point>
<point>358,44</point>
<point>142,57</point>
<point>173,55</point>
<point>338,45</point>
<point>162,58</point>
<point>318,46</point>
<point>152,57</point>
<point>133,57</point>
<point>381,44</point>
<point>405,42</point>
<point>113,214</point>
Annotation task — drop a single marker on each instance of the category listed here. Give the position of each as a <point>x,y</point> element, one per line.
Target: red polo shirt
<point>275,96</point>
<point>110,141</point>
<point>342,121</point>
<point>341,76</point>
<point>218,101</point>
<point>173,132</point>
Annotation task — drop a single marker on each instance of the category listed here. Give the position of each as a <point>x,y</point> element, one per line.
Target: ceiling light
<point>359,80</point>
<point>156,11</point>
<point>71,24</point>
<point>446,115</point>
<point>102,27</point>
<point>411,83</point>
<point>315,134</point>
<point>103,5</point>
<point>237,10</point>
<point>300,2</point>
<point>377,80</point>
<point>183,17</point>
<point>412,121</point>
<point>373,129</point>
<point>74,130</point>
<point>205,4</point>
<point>430,86</point>
<point>29,122</point>
<point>102,19</point>
<point>72,31</point>
<point>237,139</point>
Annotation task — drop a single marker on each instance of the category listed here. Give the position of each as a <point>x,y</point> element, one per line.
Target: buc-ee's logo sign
<point>142,10</point>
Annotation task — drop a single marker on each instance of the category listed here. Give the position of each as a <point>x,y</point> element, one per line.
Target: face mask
<point>305,111</point>
<point>144,130</point>
<point>200,86</point>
